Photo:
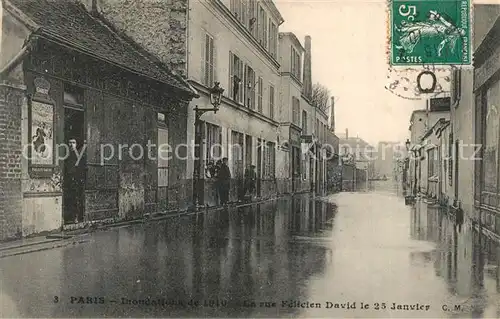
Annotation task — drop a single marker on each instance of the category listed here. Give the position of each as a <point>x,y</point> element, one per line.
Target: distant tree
<point>320,96</point>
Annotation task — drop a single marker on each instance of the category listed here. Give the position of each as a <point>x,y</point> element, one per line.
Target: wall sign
<point>41,131</point>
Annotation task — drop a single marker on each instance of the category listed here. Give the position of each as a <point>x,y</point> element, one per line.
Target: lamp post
<point>215,99</point>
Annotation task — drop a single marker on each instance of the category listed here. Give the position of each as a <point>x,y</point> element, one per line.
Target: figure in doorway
<point>250,180</point>
<point>217,166</point>
<point>224,182</point>
<point>74,183</point>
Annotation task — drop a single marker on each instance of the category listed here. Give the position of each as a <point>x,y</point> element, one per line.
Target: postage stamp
<point>430,32</point>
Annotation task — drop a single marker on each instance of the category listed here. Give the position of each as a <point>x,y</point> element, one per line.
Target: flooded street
<point>347,255</point>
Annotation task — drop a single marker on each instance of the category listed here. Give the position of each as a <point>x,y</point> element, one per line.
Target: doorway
<point>74,167</point>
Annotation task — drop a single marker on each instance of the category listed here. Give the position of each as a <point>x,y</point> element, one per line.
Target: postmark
<point>430,32</point>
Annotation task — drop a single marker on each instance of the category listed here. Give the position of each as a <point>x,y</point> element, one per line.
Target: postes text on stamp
<point>430,32</point>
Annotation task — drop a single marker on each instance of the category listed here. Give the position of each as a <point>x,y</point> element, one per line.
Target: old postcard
<point>250,158</point>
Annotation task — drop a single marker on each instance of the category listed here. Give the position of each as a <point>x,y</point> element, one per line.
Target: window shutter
<point>216,77</point>
<point>260,94</point>
<point>203,61</point>
<point>230,90</point>
<point>244,10</point>
<point>212,61</point>
<point>241,94</point>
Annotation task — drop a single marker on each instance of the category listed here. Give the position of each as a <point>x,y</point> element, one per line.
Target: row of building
<point>131,73</point>
<point>453,153</point>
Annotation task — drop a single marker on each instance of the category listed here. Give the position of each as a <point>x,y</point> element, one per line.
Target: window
<point>260,89</point>
<point>265,36</point>
<point>163,154</point>
<point>213,141</point>
<point>236,8</point>
<point>244,12</point>
<point>269,160</point>
<point>304,123</point>
<point>235,78</point>
<point>237,154</point>
<point>208,61</point>
<point>73,95</point>
<point>273,38</point>
<point>262,20</point>
<point>295,110</point>
<point>271,101</point>
<point>430,162</point>
<point>252,17</point>
<point>296,162</point>
<point>304,168</point>
<point>295,60</point>
<point>250,87</point>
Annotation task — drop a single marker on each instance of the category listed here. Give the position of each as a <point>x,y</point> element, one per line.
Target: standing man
<point>224,181</point>
<point>74,183</point>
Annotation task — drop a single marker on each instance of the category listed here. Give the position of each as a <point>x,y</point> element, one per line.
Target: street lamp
<point>216,100</point>
<point>407,144</point>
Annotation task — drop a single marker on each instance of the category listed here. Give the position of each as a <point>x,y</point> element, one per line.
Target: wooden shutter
<point>210,46</point>
<point>231,79</point>
<point>261,93</point>
<point>214,60</point>
<point>203,61</point>
<point>241,75</point>
<point>271,101</point>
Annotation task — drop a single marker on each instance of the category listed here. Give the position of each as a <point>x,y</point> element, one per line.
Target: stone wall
<point>159,26</point>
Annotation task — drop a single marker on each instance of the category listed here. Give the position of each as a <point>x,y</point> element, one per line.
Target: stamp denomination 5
<point>430,32</point>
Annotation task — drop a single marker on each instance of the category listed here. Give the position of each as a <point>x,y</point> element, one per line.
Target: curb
<point>41,246</point>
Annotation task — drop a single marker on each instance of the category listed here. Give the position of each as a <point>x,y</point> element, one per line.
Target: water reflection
<point>466,259</point>
<point>214,264</point>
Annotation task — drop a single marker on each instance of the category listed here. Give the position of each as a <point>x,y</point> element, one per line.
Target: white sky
<point>348,56</point>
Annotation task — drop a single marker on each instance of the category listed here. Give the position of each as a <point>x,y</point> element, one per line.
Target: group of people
<point>222,176</point>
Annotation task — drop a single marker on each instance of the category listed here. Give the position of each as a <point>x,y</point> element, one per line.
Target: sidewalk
<point>82,234</point>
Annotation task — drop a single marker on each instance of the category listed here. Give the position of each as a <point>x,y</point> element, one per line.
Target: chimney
<point>346,134</point>
<point>307,77</point>
<point>332,114</point>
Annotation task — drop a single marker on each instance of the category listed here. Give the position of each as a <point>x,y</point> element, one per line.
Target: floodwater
<point>346,255</point>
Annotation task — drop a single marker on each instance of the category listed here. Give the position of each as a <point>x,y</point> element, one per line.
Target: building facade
<point>236,43</point>
<point>70,79</point>
<point>486,90</point>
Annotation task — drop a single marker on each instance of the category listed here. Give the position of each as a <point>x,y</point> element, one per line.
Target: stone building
<point>304,125</point>
<point>69,73</point>
<point>236,43</point>
<point>486,92</point>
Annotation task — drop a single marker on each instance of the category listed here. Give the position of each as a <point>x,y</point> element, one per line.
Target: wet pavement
<point>347,255</point>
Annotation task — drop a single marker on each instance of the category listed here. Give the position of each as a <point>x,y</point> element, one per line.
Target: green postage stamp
<point>430,32</point>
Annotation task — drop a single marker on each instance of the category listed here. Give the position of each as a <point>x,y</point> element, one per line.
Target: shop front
<point>94,113</point>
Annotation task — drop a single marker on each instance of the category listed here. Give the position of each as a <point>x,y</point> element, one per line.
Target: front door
<point>74,176</point>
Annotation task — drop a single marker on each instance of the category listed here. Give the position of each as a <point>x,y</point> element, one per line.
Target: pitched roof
<point>67,21</point>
